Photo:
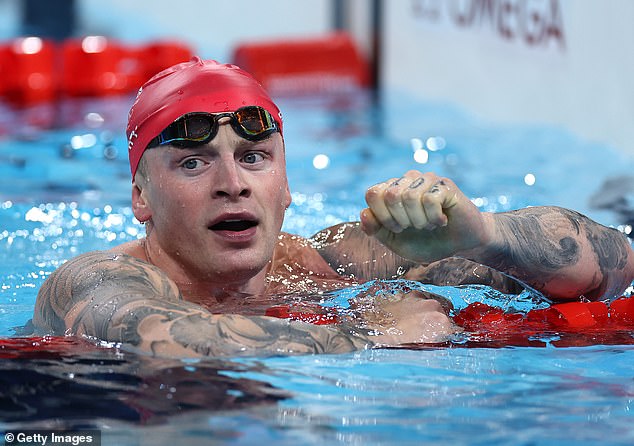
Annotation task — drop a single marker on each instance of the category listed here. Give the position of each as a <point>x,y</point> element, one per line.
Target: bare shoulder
<point>92,276</point>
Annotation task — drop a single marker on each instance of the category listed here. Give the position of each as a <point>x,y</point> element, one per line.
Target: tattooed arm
<point>119,298</point>
<point>425,218</point>
<point>560,252</point>
<point>351,252</point>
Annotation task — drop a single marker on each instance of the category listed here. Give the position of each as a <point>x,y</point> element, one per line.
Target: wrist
<point>486,241</point>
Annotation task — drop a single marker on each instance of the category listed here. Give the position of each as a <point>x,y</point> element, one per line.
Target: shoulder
<point>93,276</point>
<point>105,268</point>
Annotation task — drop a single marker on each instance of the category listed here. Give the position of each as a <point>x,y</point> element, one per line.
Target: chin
<point>233,271</point>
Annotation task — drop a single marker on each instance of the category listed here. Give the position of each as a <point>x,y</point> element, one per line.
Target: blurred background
<point>529,99</point>
<point>564,62</point>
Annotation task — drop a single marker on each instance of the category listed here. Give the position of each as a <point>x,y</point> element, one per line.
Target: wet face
<point>213,212</point>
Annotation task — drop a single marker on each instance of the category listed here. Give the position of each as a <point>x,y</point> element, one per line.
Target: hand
<point>423,217</point>
<point>403,318</point>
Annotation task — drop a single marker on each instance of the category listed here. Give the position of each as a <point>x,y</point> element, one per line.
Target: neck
<point>197,286</point>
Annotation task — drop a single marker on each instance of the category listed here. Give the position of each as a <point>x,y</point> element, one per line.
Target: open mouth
<point>233,225</point>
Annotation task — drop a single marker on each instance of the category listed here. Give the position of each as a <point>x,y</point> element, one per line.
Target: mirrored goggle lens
<point>251,122</point>
<point>196,127</point>
<point>255,121</point>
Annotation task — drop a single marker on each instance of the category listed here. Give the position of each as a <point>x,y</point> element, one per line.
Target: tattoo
<point>528,247</point>
<point>350,251</point>
<point>123,299</point>
<point>455,271</point>
<point>436,187</point>
<point>539,242</point>
<point>231,335</point>
<point>611,249</point>
<point>79,278</point>
<point>417,183</point>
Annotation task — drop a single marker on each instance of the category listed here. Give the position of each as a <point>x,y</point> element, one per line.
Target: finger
<point>437,200</point>
<point>375,197</point>
<point>393,197</point>
<point>369,224</point>
<point>412,202</point>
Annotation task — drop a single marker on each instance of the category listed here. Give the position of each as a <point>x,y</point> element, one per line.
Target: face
<point>214,212</point>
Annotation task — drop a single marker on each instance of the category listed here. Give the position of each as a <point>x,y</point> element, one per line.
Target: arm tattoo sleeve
<point>538,243</point>
<point>455,271</point>
<point>122,299</point>
<point>349,251</point>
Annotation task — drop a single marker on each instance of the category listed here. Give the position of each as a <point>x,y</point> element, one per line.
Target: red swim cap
<point>194,86</point>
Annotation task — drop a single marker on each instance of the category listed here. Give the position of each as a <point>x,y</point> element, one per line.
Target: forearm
<point>351,252</point>
<point>185,330</point>
<point>558,252</point>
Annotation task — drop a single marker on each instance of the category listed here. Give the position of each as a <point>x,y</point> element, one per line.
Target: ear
<point>288,199</point>
<point>140,205</point>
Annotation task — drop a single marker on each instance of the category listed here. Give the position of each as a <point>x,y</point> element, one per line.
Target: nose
<point>229,181</point>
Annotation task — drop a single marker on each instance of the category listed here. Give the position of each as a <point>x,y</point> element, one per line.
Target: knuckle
<point>412,173</point>
<point>392,196</point>
<point>433,305</point>
<point>446,180</point>
<point>410,196</point>
<point>373,193</point>
<point>430,198</point>
<point>437,319</point>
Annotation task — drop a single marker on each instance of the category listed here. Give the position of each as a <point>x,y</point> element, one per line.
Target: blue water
<point>61,195</point>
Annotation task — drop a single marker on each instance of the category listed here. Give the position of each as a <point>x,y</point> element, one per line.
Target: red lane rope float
<point>35,70</point>
<point>326,64</point>
<point>45,347</point>
<point>568,324</point>
<point>284,312</point>
<point>570,316</point>
<point>28,71</point>
<point>571,323</point>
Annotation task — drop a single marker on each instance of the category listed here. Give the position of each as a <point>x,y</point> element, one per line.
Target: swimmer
<point>209,183</point>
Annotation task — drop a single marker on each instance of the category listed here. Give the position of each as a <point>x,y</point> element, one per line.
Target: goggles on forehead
<point>192,129</point>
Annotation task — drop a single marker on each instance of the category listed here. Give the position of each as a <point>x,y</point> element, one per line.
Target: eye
<point>252,157</point>
<point>191,163</point>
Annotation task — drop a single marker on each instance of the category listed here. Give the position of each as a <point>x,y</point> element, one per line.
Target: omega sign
<point>533,22</point>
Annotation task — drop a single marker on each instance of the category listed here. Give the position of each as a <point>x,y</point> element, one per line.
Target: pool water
<point>65,191</point>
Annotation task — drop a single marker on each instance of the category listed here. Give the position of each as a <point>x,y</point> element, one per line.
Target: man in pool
<point>209,183</point>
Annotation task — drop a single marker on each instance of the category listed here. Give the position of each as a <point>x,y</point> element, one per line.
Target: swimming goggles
<point>192,129</point>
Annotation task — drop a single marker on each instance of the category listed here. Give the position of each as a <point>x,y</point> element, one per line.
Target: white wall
<point>563,62</point>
